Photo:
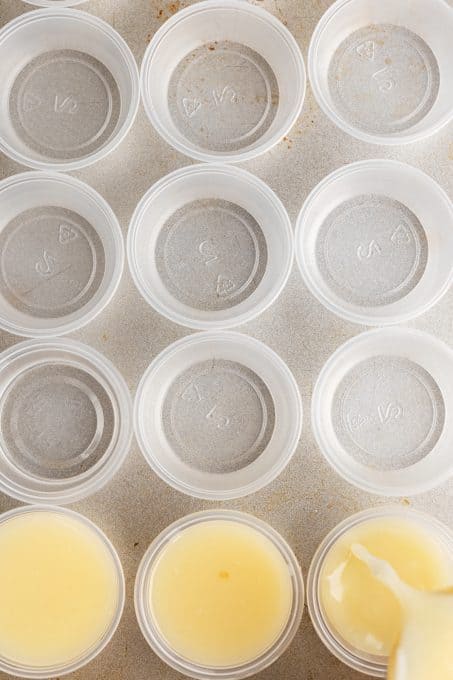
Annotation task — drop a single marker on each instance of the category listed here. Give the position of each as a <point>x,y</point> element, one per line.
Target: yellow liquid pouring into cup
<point>424,650</point>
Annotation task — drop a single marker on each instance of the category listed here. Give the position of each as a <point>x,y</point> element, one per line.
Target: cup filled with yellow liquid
<point>61,591</point>
<point>357,616</point>
<point>219,594</point>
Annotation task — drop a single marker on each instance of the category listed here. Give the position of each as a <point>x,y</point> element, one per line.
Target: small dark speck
<point>211,47</point>
<point>136,544</point>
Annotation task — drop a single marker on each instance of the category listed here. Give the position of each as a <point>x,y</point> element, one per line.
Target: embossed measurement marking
<point>399,236</point>
<point>367,50</point>
<point>46,265</point>
<point>227,94</point>
<point>384,81</point>
<point>366,253</point>
<point>356,421</point>
<point>221,421</point>
<point>206,249</point>
<point>193,393</point>
<point>389,412</point>
<point>65,105</point>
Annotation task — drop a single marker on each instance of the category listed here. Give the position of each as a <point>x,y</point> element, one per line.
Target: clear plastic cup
<point>151,631</point>
<point>376,666</point>
<point>218,415</point>
<point>381,71</point>
<point>374,242</point>
<point>71,89</point>
<point>223,80</point>
<point>62,254</point>
<point>380,411</point>
<point>66,421</point>
<point>210,246</point>
<point>42,673</point>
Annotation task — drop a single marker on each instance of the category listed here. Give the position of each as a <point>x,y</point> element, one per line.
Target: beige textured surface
<point>308,498</point>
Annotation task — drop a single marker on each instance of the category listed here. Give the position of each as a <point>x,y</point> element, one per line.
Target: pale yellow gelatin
<point>220,593</point>
<point>425,645</point>
<point>59,588</point>
<point>360,609</point>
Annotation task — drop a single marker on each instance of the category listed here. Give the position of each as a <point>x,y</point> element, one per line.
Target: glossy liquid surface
<point>220,593</point>
<point>58,589</point>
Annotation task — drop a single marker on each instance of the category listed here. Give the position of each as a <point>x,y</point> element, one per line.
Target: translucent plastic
<point>374,242</point>
<point>218,415</point>
<point>359,661</point>
<point>382,70</point>
<point>62,254</point>
<point>210,246</point>
<point>223,80</point>
<point>41,673</point>
<point>380,411</point>
<point>66,421</point>
<point>150,631</point>
<point>71,89</point>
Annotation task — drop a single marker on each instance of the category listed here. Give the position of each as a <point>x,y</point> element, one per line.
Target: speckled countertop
<point>308,498</point>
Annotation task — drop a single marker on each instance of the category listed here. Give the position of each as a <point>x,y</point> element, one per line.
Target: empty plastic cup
<point>210,246</point>
<point>218,415</point>
<point>382,70</point>
<point>71,89</point>
<point>374,242</point>
<point>223,80</point>
<point>380,411</point>
<point>65,415</point>
<point>62,254</point>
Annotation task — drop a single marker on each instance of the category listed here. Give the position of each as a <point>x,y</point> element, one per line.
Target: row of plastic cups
<point>218,415</point>
<point>211,246</point>
<point>221,80</point>
<point>265,548</point>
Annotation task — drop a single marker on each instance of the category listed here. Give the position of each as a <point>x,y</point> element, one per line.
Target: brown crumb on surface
<point>288,142</point>
<point>105,337</point>
<point>136,544</point>
<point>405,501</point>
<point>168,9</point>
